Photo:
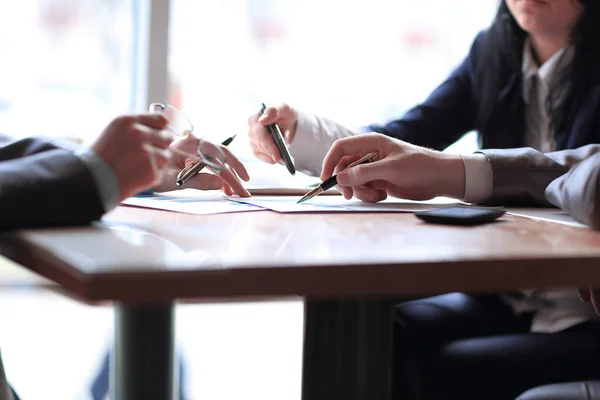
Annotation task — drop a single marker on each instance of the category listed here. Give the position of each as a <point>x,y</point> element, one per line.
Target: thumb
<point>358,175</point>
<point>269,116</point>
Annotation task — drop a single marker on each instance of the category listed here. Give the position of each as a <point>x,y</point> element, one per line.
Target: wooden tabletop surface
<point>147,255</point>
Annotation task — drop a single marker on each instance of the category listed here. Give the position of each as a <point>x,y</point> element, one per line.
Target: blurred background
<point>70,66</point>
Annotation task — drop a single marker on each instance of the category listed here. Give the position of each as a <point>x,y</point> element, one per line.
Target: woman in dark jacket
<point>531,80</point>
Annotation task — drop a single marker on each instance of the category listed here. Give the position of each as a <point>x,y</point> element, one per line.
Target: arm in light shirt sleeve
<point>313,138</point>
<point>577,191</point>
<point>315,135</point>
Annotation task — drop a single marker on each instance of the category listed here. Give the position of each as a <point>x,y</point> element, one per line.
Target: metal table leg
<point>144,355</point>
<point>347,350</point>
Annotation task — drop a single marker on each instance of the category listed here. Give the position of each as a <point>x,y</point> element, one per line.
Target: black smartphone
<point>282,147</point>
<point>460,215</point>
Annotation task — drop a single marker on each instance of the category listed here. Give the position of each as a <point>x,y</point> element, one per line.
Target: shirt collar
<point>546,71</point>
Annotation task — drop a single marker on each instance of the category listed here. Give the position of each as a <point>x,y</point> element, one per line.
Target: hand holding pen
<point>194,168</point>
<point>332,181</point>
<point>228,178</point>
<point>401,170</point>
<point>262,139</point>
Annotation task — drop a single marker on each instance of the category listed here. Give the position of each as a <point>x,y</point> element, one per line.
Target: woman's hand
<point>228,179</point>
<point>261,141</point>
<point>402,170</point>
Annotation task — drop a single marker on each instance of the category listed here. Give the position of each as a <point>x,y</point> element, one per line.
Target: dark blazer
<point>43,183</point>
<point>451,110</point>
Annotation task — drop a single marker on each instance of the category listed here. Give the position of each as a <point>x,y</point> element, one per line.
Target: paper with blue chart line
<point>190,201</point>
<point>288,204</point>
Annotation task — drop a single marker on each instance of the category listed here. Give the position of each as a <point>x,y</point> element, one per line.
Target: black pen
<point>192,170</point>
<point>331,182</point>
<point>282,147</point>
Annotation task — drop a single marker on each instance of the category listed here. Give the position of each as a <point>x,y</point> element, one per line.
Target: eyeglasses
<point>180,126</point>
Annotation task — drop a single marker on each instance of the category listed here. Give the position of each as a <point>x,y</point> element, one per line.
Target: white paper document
<point>546,214</point>
<point>288,204</point>
<point>191,201</point>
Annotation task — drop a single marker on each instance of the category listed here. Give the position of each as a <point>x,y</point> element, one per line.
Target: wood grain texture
<point>148,255</point>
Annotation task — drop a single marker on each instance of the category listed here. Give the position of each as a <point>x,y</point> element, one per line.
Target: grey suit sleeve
<point>42,184</point>
<point>520,176</point>
<point>576,192</point>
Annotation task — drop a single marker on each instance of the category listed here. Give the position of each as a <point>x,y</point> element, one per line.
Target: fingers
<point>159,138</point>
<point>157,157</point>
<point>346,191</point>
<point>368,194</point>
<point>264,157</point>
<point>151,120</point>
<point>360,175</point>
<point>361,144</point>
<point>344,162</point>
<point>261,141</point>
<point>204,181</point>
<point>227,189</point>
<point>149,127</point>
<point>269,116</point>
<point>234,183</point>
<point>157,160</point>
<point>189,145</point>
<point>236,164</point>
<point>371,192</point>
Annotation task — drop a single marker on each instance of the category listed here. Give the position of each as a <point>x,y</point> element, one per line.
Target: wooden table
<point>349,268</point>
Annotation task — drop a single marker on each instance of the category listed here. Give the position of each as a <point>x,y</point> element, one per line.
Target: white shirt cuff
<point>479,183</point>
<point>104,176</point>
<point>313,138</point>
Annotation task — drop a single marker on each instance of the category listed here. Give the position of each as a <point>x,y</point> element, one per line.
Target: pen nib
<point>310,194</point>
<point>302,200</point>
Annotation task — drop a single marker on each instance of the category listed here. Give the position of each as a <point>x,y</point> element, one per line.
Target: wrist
<point>452,173</point>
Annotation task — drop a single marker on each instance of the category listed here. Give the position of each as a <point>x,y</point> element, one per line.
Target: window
<point>355,62</point>
<point>70,66</point>
<point>67,66</point>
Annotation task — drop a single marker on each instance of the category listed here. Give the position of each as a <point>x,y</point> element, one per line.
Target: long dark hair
<point>502,51</point>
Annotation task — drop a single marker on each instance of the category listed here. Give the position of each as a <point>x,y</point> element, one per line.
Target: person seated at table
<point>577,193</point>
<point>531,79</point>
<point>46,182</point>
<point>485,350</point>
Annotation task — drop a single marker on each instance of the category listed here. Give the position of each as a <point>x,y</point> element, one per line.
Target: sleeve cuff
<point>479,183</point>
<point>307,147</point>
<point>104,176</point>
<point>314,136</point>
